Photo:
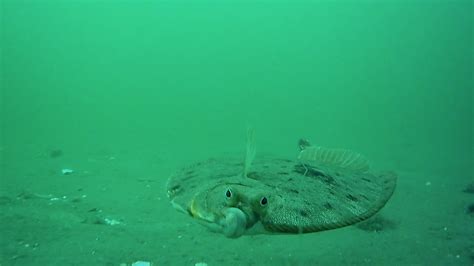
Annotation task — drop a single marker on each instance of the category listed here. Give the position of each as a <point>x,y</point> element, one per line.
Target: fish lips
<point>232,223</point>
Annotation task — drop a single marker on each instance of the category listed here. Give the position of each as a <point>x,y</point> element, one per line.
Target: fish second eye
<point>228,193</point>
<point>263,201</point>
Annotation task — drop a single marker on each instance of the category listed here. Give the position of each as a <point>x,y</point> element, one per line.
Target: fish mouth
<point>233,222</point>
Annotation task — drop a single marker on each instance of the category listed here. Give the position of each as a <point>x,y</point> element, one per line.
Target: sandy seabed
<point>113,209</point>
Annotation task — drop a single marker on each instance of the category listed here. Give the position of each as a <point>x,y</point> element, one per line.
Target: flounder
<point>321,189</point>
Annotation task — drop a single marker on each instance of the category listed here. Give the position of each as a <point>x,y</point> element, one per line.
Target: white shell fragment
<point>67,171</point>
<point>141,263</point>
<point>112,222</point>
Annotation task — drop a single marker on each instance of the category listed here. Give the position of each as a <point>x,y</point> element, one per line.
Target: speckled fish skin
<point>300,198</point>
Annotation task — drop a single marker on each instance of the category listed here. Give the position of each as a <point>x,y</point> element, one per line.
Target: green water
<point>126,92</point>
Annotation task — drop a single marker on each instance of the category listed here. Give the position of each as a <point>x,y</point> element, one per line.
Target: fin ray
<point>340,158</point>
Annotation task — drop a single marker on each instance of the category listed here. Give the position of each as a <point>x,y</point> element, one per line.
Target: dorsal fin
<point>250,151</point>
<point>339,158</point>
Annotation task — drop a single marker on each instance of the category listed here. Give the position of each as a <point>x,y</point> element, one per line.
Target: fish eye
<point>228,193</point>
<point>263,201</point>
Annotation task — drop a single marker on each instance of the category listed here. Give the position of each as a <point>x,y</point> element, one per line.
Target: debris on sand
<point>55,153</point>
<point>377,224</point>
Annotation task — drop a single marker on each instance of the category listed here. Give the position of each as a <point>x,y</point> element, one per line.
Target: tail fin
<point>250,151</point>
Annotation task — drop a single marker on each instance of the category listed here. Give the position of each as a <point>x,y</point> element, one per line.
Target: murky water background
<point>124,93</point>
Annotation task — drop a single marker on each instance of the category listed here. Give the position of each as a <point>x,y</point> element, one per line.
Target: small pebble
<point>469,188</point>
<point>470,209</point>
<point>55,153</point>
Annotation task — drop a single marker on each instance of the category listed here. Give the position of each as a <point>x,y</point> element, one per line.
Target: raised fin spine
<point>250,151</point>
